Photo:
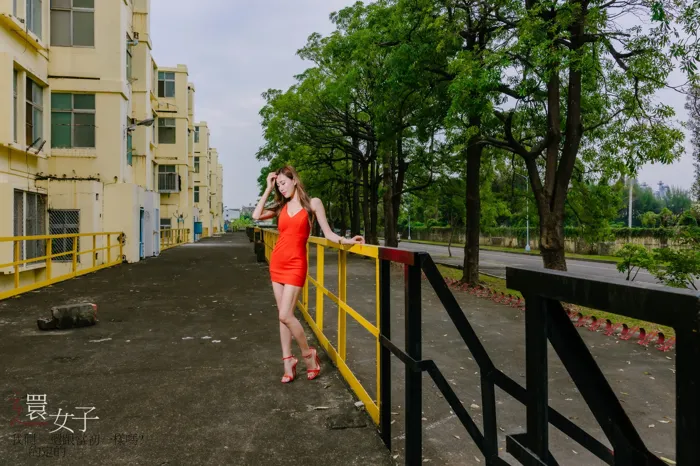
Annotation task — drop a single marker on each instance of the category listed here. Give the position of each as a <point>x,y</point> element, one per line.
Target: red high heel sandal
<point>313,373</point>
<point>288,378</point>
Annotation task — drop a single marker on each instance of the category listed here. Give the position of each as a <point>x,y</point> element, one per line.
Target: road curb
<point>461,267</point>
<point>581,259</point>
<point>619,330</point>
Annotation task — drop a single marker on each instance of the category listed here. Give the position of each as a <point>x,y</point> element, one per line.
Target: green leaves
<point>635,257</point>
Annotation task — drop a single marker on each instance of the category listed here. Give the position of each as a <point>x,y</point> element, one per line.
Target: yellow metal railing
<point>338,353</point>
<point>169,238</point>
<point>57,266</point>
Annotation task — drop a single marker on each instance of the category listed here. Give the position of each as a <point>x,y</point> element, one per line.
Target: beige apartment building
<point>216,187</point>
<point>25,128</point>
<point>202,177</point>
<point>175,143</point>
<point>92,180</point>
<point>94,137</point>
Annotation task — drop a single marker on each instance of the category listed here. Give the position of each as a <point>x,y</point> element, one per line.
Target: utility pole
<point>629,213</point>
<point>527,209</point>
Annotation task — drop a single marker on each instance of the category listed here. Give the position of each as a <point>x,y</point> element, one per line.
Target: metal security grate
<point>19,219</point>
<point>29,219</point>
<point>64,222</point>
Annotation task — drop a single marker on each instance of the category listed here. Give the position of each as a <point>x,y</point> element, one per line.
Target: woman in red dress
<point>295,214</point>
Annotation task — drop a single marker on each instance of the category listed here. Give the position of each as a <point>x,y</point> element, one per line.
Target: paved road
<point>495,263</point>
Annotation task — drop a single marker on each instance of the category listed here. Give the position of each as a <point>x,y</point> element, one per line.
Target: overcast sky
<point>237,49</point>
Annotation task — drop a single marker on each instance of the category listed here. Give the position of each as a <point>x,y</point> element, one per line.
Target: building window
<point>154,79</point>
<point>166,84</point>
<point>166,223</point>
<point>30,220</point>
<point>72,120</point>
<point>196,194</point>
<point>196,164</point>
<point>34,17</point>
<point>166,130</point>
<point>128,63</point>
<point>64,222</point>
<point>129,146</point>
<point>35,111</point>
<point>15,78</point>
<point>168,179</point>
<point>196,134</point>
<point>73,23</point>
<point>154,130</point>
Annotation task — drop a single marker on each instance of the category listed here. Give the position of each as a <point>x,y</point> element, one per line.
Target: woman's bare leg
<point>290,296</point>
<point>289,324</point>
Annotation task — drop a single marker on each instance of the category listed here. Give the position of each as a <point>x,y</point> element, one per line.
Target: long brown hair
<point>281,201</point>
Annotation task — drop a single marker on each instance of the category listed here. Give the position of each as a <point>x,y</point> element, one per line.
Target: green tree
<point>635,257</point>
<point>583,87</point>
<point>692,105</point>
<point>677,200</point>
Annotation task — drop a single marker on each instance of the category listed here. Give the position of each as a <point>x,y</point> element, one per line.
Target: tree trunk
<point>355,210</point>
<point>397,186</point>
<point>552,240</point>
<point>471,248</point>
<point>366,182</point>
<point>390,233</point>
<point>343,217</point>
<point>374,203</point>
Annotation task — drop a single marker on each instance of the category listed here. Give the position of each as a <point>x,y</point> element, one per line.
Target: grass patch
<point>521,251</point>
<point>499,286</point>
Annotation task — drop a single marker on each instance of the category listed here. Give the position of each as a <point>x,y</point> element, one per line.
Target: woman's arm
<point>260,213</point>
<point>320,212</point>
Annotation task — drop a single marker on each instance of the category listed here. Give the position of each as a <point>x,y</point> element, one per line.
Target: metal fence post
<point>414,395</point>
<point>75,254</point>
<point>384,388</point>
<point>536,332</point>
<point>319,289</point>
<point>342,296</point>
<point>16,261</point>
<point>687,393</point>
<point>49,251</point>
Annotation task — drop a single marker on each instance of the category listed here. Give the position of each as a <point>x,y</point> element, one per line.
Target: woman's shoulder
<point>316,203</point>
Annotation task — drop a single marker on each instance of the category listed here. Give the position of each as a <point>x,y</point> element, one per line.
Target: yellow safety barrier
<point>169,238</point>
<point>56,267</point>
<point>337,354</point>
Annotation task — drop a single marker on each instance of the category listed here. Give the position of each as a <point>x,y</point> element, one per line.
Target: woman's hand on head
<point>271,177</point>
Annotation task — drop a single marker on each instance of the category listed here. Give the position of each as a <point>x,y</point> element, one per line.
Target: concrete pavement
<point>183,368</point>
<point>643,378</point>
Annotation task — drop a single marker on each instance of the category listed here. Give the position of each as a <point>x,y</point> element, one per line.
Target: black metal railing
<point>545,320</point>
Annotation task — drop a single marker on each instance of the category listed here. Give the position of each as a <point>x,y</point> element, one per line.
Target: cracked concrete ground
<point>643,378</point>
<point>183,368</point>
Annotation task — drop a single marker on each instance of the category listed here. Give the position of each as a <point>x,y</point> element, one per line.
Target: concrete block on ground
<point>70,316</point>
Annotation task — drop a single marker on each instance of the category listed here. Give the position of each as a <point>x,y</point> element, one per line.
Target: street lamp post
<point>409,218</point>
<point>527,210</point>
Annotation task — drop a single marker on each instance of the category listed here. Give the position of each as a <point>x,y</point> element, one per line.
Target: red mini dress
<point>288,264</point>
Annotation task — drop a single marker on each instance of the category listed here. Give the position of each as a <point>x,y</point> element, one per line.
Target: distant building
<point>232,214</point>
<point>663,190</point>
<point>247,210</point>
